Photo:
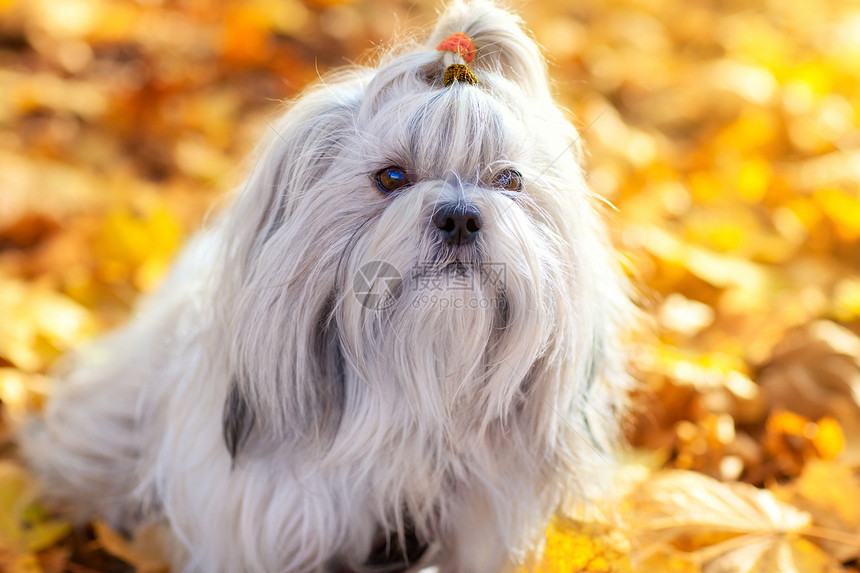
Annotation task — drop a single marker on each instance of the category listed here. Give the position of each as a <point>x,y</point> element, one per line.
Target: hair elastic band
<point>462,45</point>
<point>460,73</point>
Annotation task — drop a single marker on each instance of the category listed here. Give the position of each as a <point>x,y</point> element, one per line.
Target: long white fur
<point>471,417</point>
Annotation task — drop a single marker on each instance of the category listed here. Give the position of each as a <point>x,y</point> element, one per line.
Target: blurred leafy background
<point>725,132</point>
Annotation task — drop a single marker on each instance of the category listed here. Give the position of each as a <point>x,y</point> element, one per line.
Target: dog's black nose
<point>459,223</point>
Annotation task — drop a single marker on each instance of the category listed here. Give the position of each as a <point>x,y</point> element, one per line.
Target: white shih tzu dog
<point>396,347</point>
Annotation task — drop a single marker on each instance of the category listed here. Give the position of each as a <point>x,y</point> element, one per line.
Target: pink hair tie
<point>459,43</point>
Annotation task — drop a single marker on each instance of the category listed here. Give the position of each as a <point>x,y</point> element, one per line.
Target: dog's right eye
<point>391,179</point>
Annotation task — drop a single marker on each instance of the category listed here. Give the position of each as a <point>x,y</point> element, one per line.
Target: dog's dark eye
<point>391,179</point>
<point>509,180</point>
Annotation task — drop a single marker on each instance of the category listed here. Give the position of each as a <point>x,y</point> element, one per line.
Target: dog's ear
<point>277,275</point>
<point>502,45</point>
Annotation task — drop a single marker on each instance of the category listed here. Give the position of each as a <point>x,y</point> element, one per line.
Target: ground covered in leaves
<point>725,133</point>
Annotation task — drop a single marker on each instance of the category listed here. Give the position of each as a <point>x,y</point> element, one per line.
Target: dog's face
<point>420,252</point>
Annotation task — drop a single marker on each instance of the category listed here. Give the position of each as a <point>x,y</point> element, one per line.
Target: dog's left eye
<point>391,179</point>
<point>509,180</point>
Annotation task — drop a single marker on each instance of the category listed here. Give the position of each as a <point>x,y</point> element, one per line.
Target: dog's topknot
<point>505,62</point>
<point>502,46</point>
<point>462,48</point>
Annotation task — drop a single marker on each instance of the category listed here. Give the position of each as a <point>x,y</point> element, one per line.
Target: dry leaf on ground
<point>25,529</point>
<point>573,545</point>
<point>144,552</point>
<point>727,527</point>
<point>830,493</point>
